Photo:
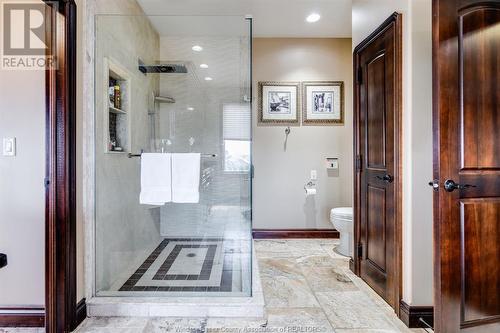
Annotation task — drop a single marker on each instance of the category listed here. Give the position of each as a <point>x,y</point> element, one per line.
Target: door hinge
<point>358,162</point>
<point>46,182</point>
<point>360,250</point>
<point>359,76</point>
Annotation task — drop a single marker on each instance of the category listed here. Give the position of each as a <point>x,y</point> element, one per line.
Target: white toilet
<point>341,219</point>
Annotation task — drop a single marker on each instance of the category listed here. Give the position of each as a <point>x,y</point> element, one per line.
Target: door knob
<point>386,178</point>
<point>450,186</point>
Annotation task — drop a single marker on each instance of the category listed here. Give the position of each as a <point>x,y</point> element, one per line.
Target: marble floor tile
<point>323,279</point>
<point>113,322</point>
<point>298,320</point>
<point>272,267</point>
<point>215,325</point>
<point>111,330</point>
<point>348,299</point>
<point>22,330</point>
<point>322,260</point>
<point>330,250</point>
<point>354,314</point>
<point>305,247</point>
<point>281,291</point>
<point>328,240</point>
<point>357,318</point>
<point>273,249</point>
<point>176,325</point>
<point>365,288</point>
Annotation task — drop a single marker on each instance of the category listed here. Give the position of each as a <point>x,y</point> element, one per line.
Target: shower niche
<point>117,107</point>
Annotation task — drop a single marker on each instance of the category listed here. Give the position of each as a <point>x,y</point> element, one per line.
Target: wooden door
<point>377,62</point>
<point>467,152</point>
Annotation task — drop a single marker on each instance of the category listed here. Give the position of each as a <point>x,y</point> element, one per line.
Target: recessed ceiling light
<point>203,66</point>
<point>208,78</point>
<point>314,17</point>
<point>190,108</point>
<point>197,48</point>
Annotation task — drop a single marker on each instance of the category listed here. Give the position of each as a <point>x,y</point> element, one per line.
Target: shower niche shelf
<point>117,107</point>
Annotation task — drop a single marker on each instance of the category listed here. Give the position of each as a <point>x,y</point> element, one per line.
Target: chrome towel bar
<point>130,155</point>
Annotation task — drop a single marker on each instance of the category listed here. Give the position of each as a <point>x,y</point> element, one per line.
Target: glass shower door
<point>173,111</point>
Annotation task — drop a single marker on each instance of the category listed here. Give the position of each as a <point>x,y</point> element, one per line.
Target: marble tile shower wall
<point>197,114</point>
<point>125,231</point>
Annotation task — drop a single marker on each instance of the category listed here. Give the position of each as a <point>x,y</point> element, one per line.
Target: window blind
<point>236,121</point>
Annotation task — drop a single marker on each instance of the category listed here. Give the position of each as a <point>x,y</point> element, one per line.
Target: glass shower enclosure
<point>173,156</point>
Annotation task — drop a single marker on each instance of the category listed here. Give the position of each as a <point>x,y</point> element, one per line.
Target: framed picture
<point>279,103</point>
<point>323,103</point>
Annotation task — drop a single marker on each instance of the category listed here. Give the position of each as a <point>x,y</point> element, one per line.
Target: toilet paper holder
<point>309,185</point>
<point>310,188</point>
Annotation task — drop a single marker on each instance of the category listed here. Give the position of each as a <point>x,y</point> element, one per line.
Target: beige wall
<point>279,201</point>
<point>22,194</point>
<point>417,134</point>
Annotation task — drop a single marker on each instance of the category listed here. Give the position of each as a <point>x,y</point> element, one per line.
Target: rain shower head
<point>162,68</point>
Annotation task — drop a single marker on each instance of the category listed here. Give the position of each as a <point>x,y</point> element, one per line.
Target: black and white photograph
<point>279,103</point>
<point>323,103</point>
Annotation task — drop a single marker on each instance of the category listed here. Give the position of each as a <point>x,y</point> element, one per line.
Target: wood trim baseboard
<point>294,233</point>
<point>410,315</point>
<point>81,312</point>
<point>23,317</point>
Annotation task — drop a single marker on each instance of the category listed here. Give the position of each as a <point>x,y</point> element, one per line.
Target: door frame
<point>396,20</point>
<point>62,313</point>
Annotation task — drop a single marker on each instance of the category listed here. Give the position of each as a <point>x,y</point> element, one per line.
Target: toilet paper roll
<point>310,191</point>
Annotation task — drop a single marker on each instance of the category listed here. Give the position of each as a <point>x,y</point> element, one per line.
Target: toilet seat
<point>342,213</point>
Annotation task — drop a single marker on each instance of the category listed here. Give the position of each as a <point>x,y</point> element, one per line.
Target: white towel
<point>156,179</point>
<point>186,178</point>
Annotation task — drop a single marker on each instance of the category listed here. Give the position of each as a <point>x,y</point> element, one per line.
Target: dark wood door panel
<point>375,278</point>
<point>480,55</point>
<point>480,229</point>
<point>377,63</point>
<point>466,43</point>
<point>486,182</point>
<point>376,227</point>
<point>375,113</point>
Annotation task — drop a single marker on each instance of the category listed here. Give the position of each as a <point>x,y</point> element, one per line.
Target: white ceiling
<point>271,18</point>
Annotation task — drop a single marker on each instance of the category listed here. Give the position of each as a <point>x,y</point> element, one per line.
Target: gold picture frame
<point>323,103</point>
<point>279,103</point>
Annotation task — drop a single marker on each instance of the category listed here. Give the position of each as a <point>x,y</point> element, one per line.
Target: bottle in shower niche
<point>117,97</point>
<point>111,91</point>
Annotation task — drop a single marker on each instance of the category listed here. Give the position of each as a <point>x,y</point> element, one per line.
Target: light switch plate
<point>9,146</point>
<point>314,175</point>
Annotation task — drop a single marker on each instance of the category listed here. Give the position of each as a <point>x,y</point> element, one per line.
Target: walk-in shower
<point>177,87</point>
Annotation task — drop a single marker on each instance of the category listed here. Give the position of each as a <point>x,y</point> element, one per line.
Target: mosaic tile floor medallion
<point>190,265</point>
